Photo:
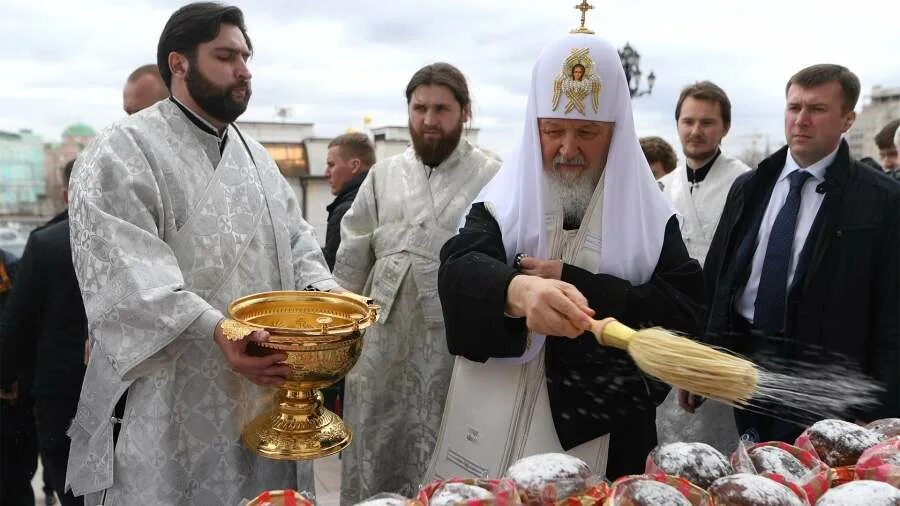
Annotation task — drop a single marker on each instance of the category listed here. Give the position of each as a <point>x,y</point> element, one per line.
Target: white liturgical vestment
<point>390,244</point>
<point>166,232</point>
<point>699,205</point>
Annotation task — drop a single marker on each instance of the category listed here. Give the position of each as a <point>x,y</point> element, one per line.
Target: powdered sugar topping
<point>652,493</point>
<point>458,493</point>
<point>566,472</point>
<point>384,501</point>
<point>888,426</point>
<point>839,442</point>
<point>752,489</point>
<point>861,493</point>
<point>698,463</point>
<point>778,461</point>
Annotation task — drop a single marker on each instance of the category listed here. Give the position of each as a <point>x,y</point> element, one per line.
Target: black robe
<point>593,390</point>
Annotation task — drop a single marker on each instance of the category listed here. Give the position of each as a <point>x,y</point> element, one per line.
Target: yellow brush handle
<point>614,334</point>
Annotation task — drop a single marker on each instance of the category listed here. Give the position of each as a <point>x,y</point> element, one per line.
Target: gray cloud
<point>334,62</point>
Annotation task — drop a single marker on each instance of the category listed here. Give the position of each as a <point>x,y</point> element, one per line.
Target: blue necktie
<point>769,310</point>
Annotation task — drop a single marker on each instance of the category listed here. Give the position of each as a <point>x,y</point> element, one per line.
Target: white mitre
<point>628,229</point>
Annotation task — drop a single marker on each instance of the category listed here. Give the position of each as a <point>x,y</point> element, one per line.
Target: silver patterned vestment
<point>166,231</point>
<point>390,242</point>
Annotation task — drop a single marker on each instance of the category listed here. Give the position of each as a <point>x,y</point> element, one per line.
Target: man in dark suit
<point>803,264</point>
<point>44,330</point>
<point>18,441</point>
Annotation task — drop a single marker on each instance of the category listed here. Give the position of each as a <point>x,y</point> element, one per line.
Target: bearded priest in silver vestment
<point>405,210</point>
<point>174,214</point>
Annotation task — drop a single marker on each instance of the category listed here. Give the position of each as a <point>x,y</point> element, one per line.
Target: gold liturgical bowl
<point>321,334</point>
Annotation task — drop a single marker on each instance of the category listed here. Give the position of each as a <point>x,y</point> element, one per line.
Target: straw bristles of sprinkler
<point>695,367</point>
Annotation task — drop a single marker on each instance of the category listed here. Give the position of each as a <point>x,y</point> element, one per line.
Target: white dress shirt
<point>810,202</point>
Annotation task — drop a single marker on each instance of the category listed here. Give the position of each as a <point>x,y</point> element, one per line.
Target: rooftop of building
<point>79,130</point>
<point>880,93</point>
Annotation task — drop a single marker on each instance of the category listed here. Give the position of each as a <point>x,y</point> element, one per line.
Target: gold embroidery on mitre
<point>577,80</point>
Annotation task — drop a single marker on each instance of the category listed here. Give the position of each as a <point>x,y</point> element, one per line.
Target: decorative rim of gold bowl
<point>362,308</point>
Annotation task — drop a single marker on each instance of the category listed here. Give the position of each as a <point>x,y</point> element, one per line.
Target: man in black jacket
<point>803,264</point>
<point>579,200</point>
<point>349,158</point>
<point>18,441</point>
<point>44,329</point>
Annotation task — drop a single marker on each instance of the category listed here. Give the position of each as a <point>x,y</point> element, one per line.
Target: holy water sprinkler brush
<point>683,362</point>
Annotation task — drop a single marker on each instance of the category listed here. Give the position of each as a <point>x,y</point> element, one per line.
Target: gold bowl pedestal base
<point>297,428</point>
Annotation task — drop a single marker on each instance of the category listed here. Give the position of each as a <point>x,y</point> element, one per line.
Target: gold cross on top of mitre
<point>583,7</point>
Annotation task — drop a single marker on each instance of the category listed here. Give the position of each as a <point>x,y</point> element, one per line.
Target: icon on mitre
<point>577,80</point>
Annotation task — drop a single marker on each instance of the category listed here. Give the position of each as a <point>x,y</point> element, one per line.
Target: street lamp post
<point>631,63</point>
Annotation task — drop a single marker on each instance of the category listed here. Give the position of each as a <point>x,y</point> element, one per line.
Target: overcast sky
<point>332,62</point>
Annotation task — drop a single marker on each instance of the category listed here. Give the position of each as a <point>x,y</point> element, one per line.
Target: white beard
<point>573,191</point>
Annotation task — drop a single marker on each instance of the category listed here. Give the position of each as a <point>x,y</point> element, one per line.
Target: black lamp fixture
<point>631,63</point>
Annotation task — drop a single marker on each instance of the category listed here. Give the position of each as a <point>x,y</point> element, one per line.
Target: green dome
<point>79,130</point>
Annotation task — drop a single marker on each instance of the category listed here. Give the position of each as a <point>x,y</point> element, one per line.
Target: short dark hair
<point>885,138</point>
<point>67,172</point>
<point>443,74</point>
<point>355,145</point>
<point>817,75</point>
<point>656,149</point>
<point>148,69</point>
<point>191,25</point>
<point>709,91</point>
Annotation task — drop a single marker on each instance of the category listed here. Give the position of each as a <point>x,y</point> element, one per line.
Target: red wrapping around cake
<point>650,467</point>
<point>593,496</point>
<point>694,494</point>
<point>797,489</point>
<point>285,497</point>
<point>555,493</point>
<point>881,462</point>
<point>841,475</point>
<point>814,484</point>
<point>504,491</point>
<point>837,475</point>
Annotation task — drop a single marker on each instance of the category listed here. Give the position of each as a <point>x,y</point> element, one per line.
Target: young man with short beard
<point>578,200</point>
<point>407,207</point>
<point>175,214</point>
<point>698,187</point>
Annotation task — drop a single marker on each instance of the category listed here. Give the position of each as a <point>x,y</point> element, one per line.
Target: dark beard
<point>215,101</point>
<point>433,152</point>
